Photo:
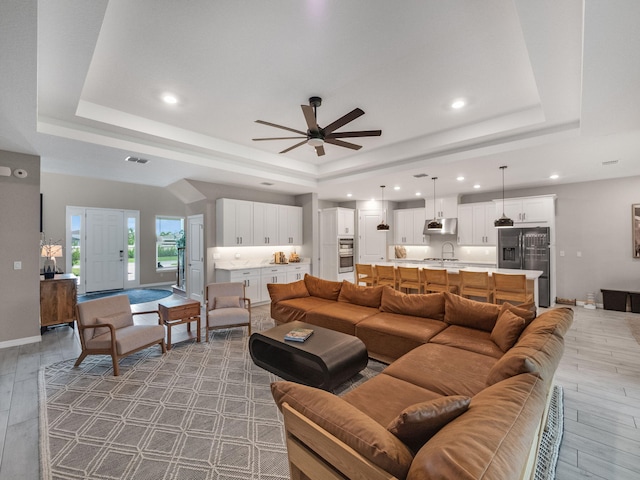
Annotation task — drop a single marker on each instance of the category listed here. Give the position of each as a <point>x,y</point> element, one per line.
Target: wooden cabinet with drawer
<point>58,298</point>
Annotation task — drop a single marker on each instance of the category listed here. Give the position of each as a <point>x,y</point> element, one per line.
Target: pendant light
<point>383,226</point>
<point>434,224</point>
<point>503,221</point>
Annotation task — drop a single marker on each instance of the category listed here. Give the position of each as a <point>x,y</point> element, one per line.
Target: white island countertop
<point>531,274</point>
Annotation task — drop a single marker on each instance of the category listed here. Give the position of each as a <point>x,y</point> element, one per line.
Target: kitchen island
<point>453,269</point>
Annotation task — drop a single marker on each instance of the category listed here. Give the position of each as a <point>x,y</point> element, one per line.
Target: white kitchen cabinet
<point>289,225</point>
<point>249,276</point>
<point>527,209</point>
<point>296,272</point>
<point>408,225</point>
<point>446,207</point>
<point>346,221</point>
<point>265,224</point>
<point>273,274</point>
<point>234,222</point>
<point>475,224</point>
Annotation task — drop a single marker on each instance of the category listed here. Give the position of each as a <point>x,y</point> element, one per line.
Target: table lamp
<point>50,252</point>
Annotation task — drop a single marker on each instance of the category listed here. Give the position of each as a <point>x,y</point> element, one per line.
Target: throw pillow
<point>318,287</point>
<point>418,423</point>
<point>426,305</point>
<point>469,313</point>
<point>359,295</point>
<point>227,301</point>
<point>525,310</point>
<point>507,330</point>
<point>347,423</point>
<point>118,320</point>
<point>285,291</point>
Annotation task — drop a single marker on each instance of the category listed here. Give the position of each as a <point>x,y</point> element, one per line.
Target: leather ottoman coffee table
<point>324,360</point>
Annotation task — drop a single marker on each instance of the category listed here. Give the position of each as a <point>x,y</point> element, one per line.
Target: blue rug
<point>136,295</point>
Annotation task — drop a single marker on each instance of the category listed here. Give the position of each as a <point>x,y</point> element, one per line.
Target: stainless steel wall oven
<point>345,255</point>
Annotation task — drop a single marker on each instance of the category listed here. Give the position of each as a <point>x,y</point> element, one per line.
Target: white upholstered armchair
<point>227,306</point>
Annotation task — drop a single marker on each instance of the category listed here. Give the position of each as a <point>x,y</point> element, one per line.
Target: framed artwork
<point>635,228</point>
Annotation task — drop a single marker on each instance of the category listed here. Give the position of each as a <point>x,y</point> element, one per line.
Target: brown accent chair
<point>364,274</point>
<point>475,284</point>
<point>409,279</point>
<point>511,288</point>
<point>227,306</point>
<point>106,327</point>
<point>386,275</point>
<point>436,280</point>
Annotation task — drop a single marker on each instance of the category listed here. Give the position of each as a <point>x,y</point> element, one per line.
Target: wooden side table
<point>58,297</point>
<point>179,311</point>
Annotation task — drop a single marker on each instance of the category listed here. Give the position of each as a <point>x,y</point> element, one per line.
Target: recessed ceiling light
<point>396,188</point>
<point>458,103</point>
<point>460,178</point>
<point>169,98</point>
<point>555,176</point>
<point>418,194</point>
<point>349,194</point>
<point>477,185</point>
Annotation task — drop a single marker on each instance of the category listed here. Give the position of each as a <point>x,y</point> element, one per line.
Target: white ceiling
<point>551,87</point>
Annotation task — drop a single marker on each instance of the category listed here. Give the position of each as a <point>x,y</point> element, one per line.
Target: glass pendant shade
<point>434,224</point>
<point>503,221</point>
<point>382,226</point>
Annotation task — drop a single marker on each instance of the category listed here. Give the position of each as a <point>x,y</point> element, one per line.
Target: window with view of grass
<point>169,237</point>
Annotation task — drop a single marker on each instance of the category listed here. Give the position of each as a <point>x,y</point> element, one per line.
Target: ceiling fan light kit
<point>503,221</point>
<point>316,136</point>
<point>383,226</point>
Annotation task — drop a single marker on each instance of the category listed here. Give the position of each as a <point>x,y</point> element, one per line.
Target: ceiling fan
<point>317,136</point>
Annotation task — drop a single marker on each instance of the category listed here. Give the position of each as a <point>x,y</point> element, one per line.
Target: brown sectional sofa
<point>464,396</point>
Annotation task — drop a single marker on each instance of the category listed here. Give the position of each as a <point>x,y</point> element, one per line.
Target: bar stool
<point>475,284</point>
<point>364,274</point>
<point>409,279</point>
<point>436,280</point>
<point>510,287</point>
<point>385,275</point>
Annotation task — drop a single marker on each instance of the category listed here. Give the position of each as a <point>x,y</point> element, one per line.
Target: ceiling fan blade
<point>280,126</point>
<point>275,138</point>
<point>362,133</point>
<point>349,117</point>
<point>320,150</point>
<point>340,143</point>
<point>310,117</point>
<point>295,146</point>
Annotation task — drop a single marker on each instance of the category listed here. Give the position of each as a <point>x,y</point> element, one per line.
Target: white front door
<point>195,257</point>
<point>105,250</point>
<point>372,245</point>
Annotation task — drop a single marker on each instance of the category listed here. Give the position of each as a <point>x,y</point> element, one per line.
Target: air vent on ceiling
<point>421,175</point>
<point>610,162</point>
<point>135,160</point>
<point>267,184</point>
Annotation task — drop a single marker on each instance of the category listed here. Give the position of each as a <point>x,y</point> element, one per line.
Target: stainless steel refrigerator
<point>527,249</point>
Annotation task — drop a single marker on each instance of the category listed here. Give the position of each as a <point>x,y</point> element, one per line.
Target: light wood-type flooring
<point>600,373</point>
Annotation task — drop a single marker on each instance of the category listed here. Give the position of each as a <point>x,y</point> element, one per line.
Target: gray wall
<point>20,240</point>
<point>593,218</point>
<point>60,191</point>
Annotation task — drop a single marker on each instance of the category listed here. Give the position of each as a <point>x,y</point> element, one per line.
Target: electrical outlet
<point>562,253</point>
<point>578,254</point>
<point>17,265</point>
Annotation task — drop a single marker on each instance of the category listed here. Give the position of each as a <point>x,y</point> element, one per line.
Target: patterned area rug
<point>201,411</point>
<point>551,438</point>
<point>136,295</point>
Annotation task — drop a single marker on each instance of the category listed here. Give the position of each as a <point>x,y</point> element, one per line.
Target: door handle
<point>121,255</point>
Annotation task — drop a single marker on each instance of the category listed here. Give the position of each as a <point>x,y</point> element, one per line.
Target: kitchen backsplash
<point>434,250</point>
<point>249,254</point>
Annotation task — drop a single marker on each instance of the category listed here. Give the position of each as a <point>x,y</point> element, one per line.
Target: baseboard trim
<point>20,341</point>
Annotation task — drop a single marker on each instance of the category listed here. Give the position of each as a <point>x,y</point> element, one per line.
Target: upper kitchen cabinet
<point>234,222</point>
<point>265,224</point>
<point>528,210</point>
<point>475,224</point>
<point>337,222</point>
<point>446,207</point>
<point>289,225</point>
<point>346,222</point>
<point>408,225</point>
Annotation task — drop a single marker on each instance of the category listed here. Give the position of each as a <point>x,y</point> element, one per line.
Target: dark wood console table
<point>58,298</point>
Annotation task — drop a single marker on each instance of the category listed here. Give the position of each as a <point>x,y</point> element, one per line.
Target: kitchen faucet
<point>452,252</point>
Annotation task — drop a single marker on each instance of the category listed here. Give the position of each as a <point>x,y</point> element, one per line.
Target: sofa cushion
<point>118,320</point>
<point>430,305</point>
<point>359,295</point>
<point>295,309</point>
<point>348,424</point>
<point>556,321</point>
<point>340,316</point>
<point>388,336</point>
<point>443,369</point>
<point>507,330</point>
<point>419,422</point>
<point>470,339</point>
<point>227,301</point>
<point>372,397</point>
<point>469,313</point>
<point>318,287</point>
<point>492,439</point>
<point>285,291</point>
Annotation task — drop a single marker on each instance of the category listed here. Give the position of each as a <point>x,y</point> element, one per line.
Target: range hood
<point>449,227</point>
